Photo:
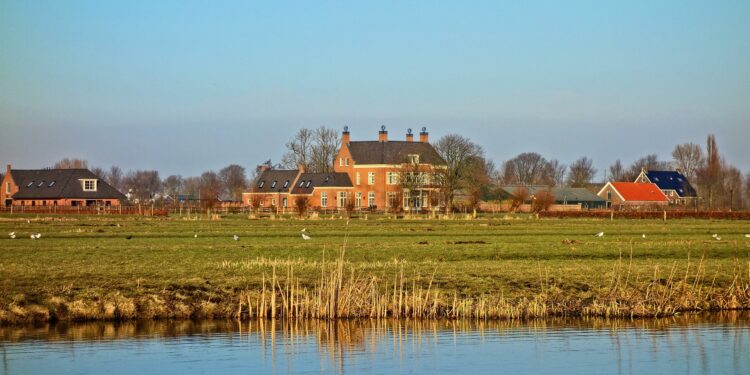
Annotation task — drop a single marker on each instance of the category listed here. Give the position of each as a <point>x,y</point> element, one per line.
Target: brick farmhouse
<point>56,187</point>
<point>375,175</point>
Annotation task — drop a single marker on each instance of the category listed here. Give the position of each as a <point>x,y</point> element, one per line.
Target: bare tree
<point>99,172</point>
<point>556,171</point>
<point>71,163</point>
<point>299,150</point>
<point>542,201</point>
<point>710,172</point>
<point>731,186</point>
<point>649,162</point>
<point>192,186</point>
<point>210,188</point>
<point>301,205</point>
<point>173,185</point>
<point>324,150</point>
<point>234,180</point>
<point>142,185</point>
<point>616,171</point>
<point>460,155</point>
<point>114,177</point>
<point>581,172</point>
<point>688,158</point>
<point>529,168</point>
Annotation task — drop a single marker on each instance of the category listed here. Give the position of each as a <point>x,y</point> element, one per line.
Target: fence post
<point>665,215</point>
<point>612,215</point>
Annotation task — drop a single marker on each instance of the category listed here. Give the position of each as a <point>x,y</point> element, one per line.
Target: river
<point>688,344</point>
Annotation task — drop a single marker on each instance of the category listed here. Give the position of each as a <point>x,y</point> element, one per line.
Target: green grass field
<point>88,257</point>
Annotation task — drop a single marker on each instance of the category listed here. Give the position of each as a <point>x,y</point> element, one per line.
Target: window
<point>286,183</point>
<point>273,202</point>
<point>358,200</point>
<point>391,199</point>
<point>413,158</point>
<point>89,185</point>
<point>273,184</point>
<point>51,184</point>
<point>341,162</point>
<point>307,185</point>
<point>346,161</point>
<point>609,196</point>
<point>260,185</point>
<point>324,199</point>
<point>30,183</point>
<point>357,178</point>
<point>7,187</point>
<point>41,183</point>
<point>391,178</point>
<point>284,202</point>
<point>342,199</point>
<point>371,199</point>
<point>301,183</point>
<point>371,178</point>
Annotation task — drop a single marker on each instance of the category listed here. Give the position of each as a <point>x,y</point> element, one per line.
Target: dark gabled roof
<point>309,181</point>
<point>393,152</point>
<point>59,184</point>
<point>672,180</point>
<point>562,195</point>
<point>265,182</point>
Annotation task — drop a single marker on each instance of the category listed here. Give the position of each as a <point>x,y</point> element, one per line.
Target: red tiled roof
<point>641,192</point>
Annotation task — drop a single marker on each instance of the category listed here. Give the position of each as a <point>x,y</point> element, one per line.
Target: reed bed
<point>342,292</point>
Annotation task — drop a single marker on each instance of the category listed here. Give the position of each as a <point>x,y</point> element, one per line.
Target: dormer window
<point>309,182</point>
<point>260,185</point>
<point>301,183</point>
<point>30,184</point>
<point>413,158</point>
<point>41,183</point>
<point>286,183</point>
<point>273,184</point>
<point>51,184</point>
<point>89,185</point>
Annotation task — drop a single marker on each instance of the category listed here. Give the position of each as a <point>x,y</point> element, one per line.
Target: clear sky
<point>186,86</point>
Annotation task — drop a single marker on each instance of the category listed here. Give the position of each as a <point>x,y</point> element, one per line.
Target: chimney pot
<point>345,136</point>
<point>383,134</point>
<point>424,136</point>
<point>409,135</point>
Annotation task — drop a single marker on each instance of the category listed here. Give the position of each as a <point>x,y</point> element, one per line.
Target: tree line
<point>469,172</point>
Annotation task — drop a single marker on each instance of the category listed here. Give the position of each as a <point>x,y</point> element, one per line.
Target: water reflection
<point>710,343</point>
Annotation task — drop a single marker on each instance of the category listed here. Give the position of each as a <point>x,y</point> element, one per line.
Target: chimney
<point>7,170</point>
<point>345,136</point>
<point>424,136</point>
<point>262,168</point>
<point>383,134</point>
<point>301,168</point>
<point>409,135</point>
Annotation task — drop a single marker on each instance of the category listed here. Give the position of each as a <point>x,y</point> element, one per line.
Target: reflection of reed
<point>341,335</point>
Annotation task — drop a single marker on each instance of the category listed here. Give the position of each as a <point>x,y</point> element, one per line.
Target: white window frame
<point>273,202</point>
<point>371,199</point>
<point>357,178</point>
<point>324,199</point>
<point>358,200</point>
<point>346,161</point>
<point>341,202</point>
<point>284,202</point>
<point>371,178</point>
<point>7,186</point>
<point>391,178</point>
<point>87,188</point>
<point>414,158</point>
<point>341,162</point>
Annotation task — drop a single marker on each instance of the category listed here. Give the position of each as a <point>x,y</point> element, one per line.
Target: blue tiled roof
<point>672,180</point>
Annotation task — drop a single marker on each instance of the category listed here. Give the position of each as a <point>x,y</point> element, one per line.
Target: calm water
<point>695,344</point>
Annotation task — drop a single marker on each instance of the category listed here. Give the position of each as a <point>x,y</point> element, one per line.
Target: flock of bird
<point>306,237</point>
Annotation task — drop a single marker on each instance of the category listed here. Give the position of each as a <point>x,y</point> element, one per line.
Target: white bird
<point>195,236</point>
<point>236,237</point>
<point>718,238</point>
<point>13,236</point>
<point>38,236</point>
<point>33,237</point>
<point>643,235</point>
<point>747,235</point>
<point>600,234</point>
<point>303,230</point>
<point>714,235</point>
<point>305,237</point>
<point>14,233</point>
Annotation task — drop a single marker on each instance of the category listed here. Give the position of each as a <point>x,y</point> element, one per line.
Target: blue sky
<point>183,86</point>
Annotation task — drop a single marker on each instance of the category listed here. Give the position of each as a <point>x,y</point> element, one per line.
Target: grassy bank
<point>100,267</point>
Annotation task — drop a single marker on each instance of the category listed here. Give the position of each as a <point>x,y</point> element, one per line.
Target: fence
<point>86,210</point>
<point>664,214</point>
